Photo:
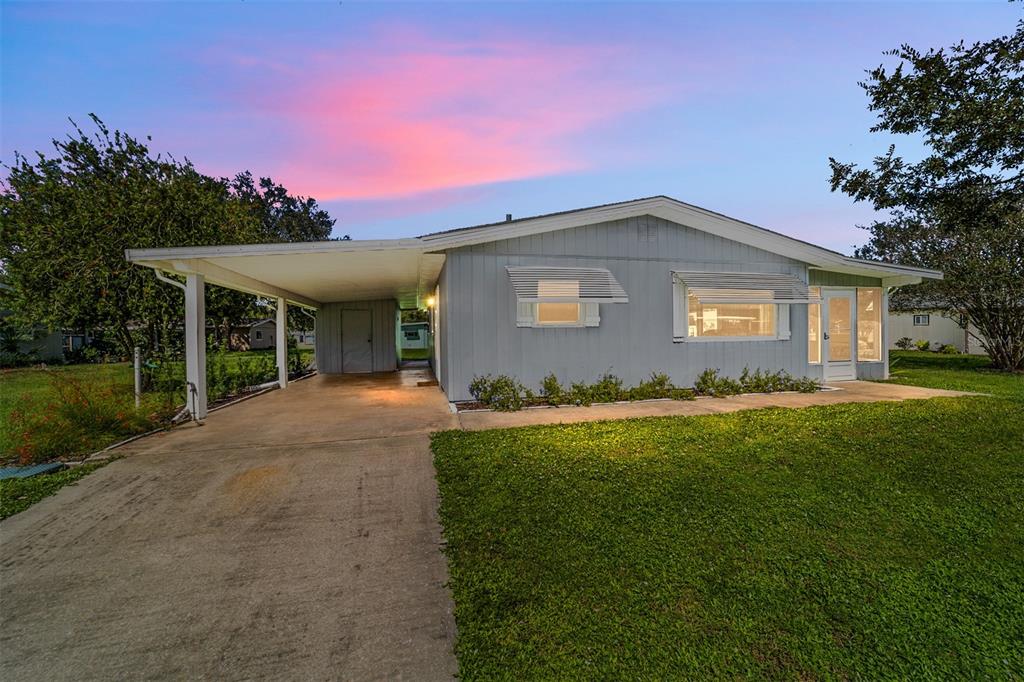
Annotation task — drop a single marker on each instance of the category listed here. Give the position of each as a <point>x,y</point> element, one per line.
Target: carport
<point>331,278</point>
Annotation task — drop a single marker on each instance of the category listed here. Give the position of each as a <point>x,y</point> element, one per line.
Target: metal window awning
<point>565,285</point>
<point>746,287</point>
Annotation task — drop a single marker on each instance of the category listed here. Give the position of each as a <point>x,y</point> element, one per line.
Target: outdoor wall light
<point>430,301</point>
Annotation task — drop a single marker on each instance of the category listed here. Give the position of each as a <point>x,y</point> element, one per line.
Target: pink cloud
<point>415,114</point>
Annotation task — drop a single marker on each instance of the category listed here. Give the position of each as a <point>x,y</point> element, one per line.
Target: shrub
<point>296,365</point>
<point>608,389</point>
<point>923,345</point>
<point>652,388</point>
<point>949,349</point>
<point>502,393</point>
<point>75,418</point>
<point>710,383</point>
<point>579,394</point>
<point>658,386</point>
<point>552,390</point>
<point>15,358</point>
<point>905,343</point>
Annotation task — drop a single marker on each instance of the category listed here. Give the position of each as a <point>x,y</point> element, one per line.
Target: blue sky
<point>409,118</point>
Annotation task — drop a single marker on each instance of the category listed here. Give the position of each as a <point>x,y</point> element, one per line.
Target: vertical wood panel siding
<point>329,332</point>
<point>477,308</point>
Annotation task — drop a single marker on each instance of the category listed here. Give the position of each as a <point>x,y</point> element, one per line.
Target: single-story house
<point>649,285</point>
<point>255,335</point>
<point>938,326</point>
<point>415,335</point>
<point>38,341</point>
<point>263,334</point>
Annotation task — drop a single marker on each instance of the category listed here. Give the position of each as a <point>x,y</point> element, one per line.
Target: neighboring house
<point>38,341</point>
<point>263,334</point>
<point>304,338</point>
<point>651,285</point>
<point>255,335</point>
<point>938,327</point>
<point>415,335</point>
<point>75,340</point>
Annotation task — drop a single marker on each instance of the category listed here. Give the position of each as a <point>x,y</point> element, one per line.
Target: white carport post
<point>195,345</point>
<point>282,342</point>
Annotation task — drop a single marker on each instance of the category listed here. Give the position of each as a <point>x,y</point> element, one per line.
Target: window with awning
<point>565,285</point>
<point>562,296</point>
<point>735,306</point>
<point>746,287</point>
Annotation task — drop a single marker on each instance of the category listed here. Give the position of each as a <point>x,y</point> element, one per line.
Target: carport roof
<point>309,273</point>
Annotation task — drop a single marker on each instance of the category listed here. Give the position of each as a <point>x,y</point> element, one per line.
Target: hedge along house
<point>650,285</point>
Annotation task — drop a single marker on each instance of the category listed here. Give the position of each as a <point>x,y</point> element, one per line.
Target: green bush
<point>949,349</point>
<point>905,343</point>
<point>579,394</point>
<point>501,393</point>
<point>608,389</point>
<point>710,383</point>
<point>552,390</point>
<point>923,345</point>
<point>658,386</point>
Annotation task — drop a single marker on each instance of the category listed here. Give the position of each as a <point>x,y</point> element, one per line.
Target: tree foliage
<point>282,217</point>
<point>67,219</point>
<point>960,209</point>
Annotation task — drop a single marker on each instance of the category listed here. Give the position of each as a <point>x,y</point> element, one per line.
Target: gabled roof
<point>311,273</point>
<point>677,211</point>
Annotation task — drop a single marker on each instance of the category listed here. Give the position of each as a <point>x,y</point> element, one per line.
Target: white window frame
<point>526,316</point>
<point>821,318</point>
<point>926,320</point>
<point>681,315</point>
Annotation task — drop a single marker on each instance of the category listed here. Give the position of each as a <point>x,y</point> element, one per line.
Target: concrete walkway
<point>846,392</point>
<point>294,536</point>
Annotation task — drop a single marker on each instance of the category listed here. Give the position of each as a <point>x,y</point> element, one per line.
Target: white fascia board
<point>229,279</point>
<point>339,246</point>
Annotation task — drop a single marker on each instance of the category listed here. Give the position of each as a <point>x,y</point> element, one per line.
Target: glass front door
<point>838,336</point>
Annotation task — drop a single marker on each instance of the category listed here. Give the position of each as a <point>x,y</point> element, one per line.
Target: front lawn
<point>853,541</point>
<point>18,494</point>
<point>954,372</point>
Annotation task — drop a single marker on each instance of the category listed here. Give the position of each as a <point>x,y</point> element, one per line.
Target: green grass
<point>415,353</point>
<point>28,386</point>
<point>21,387</point>
<point>18,494</point>
<point>954,372</point>
<point>881,540</point>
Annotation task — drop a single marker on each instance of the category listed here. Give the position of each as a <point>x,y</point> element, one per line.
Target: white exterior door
<point>356,341</point>
<point>838,341</point>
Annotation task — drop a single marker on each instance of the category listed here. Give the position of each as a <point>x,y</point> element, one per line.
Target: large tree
<point>66,219</point>
<point>960,208</point>
<point>282,217</point>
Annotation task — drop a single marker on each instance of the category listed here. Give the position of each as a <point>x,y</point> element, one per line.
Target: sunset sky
<point>403,119</point>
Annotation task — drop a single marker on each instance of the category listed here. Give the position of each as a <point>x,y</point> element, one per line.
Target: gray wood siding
<point>328,335</point>
<point>478,308</point>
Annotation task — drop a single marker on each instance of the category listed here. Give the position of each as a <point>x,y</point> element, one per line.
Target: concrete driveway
<point>294,536</point>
